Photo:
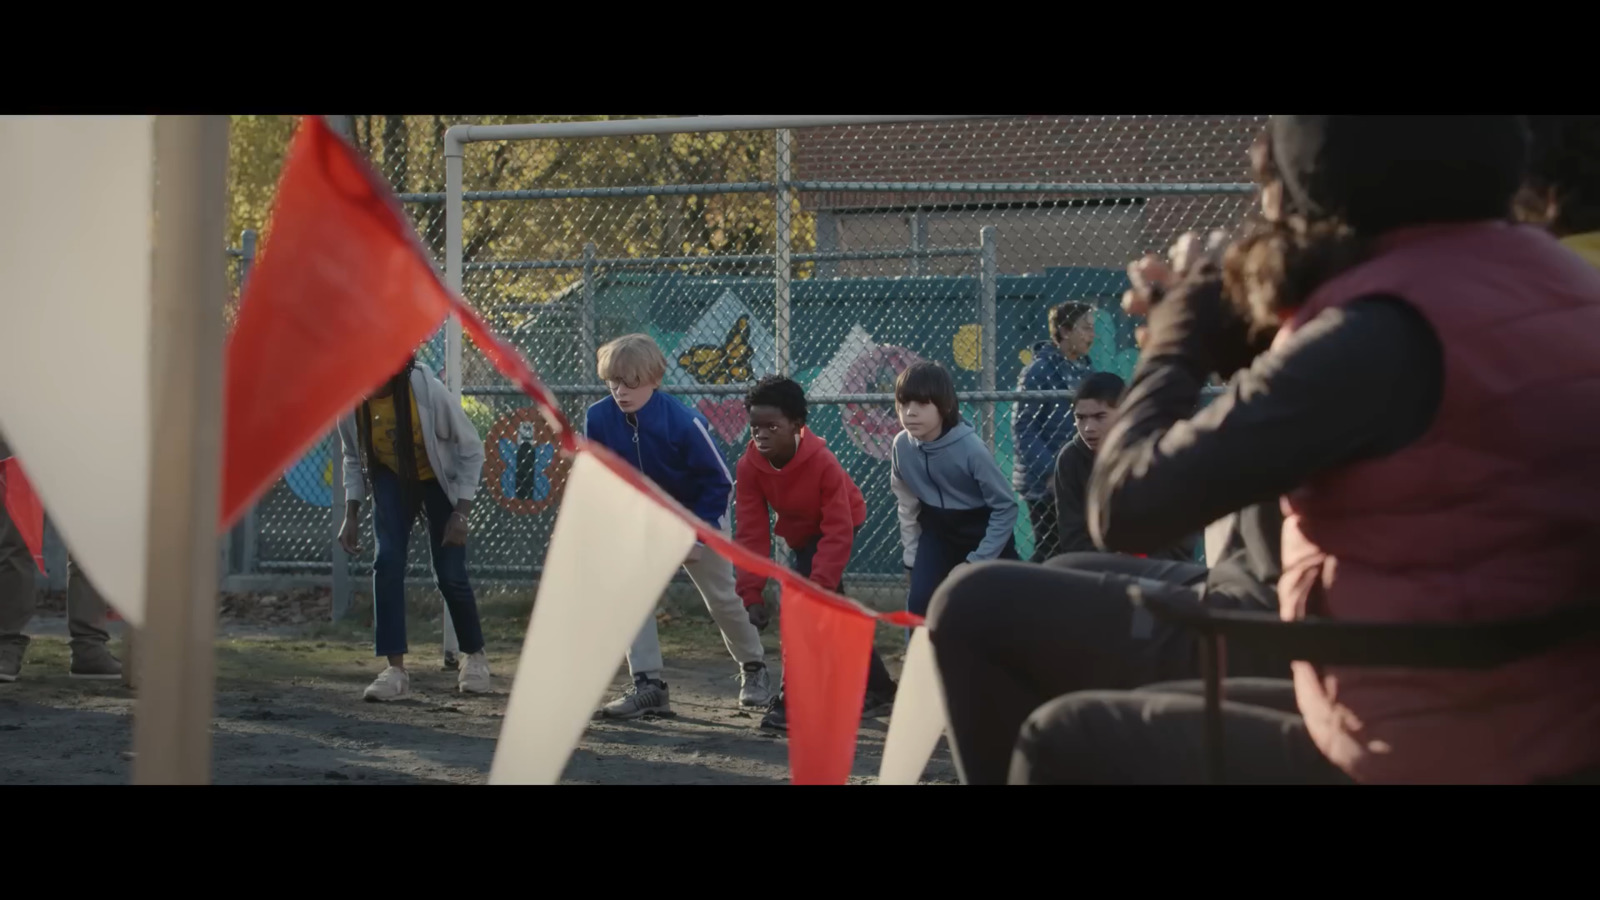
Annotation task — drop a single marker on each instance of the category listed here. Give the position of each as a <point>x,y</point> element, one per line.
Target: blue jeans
<point>392,518</point>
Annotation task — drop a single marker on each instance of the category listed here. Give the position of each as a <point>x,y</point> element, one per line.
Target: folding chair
<point>1474,646</point>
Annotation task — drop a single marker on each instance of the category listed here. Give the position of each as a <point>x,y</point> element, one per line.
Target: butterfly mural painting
<point>725,364</point>
<point>728,344</point>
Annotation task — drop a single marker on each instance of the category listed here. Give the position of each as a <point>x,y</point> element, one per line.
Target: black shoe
<point>775,719</point>
<point>876,705</point>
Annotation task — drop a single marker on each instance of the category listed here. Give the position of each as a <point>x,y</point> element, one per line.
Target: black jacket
<point>1070,483</point>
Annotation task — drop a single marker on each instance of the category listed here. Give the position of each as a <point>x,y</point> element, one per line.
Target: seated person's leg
<point>1008,636</point>
<point>1132,566</point>
<point>1268,693</point>
<point>1109,737</point>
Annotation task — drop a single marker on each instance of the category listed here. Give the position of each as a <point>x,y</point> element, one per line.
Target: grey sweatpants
<point>86,609</point>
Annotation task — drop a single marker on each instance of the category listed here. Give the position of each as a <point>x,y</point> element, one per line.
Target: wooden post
<point>172,721</point>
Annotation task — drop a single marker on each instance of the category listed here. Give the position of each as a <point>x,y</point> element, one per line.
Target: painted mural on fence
<point>522,470</point>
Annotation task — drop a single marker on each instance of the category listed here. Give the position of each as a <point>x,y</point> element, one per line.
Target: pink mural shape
<point>727,417</point>
<point>872,427</point>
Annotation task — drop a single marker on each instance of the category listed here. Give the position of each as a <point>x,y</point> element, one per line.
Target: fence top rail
<point>458,136</point>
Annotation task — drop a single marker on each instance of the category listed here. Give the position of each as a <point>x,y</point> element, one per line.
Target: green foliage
<point>481,414</point>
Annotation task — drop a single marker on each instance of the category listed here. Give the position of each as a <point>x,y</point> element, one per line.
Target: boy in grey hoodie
<point>955,506</point>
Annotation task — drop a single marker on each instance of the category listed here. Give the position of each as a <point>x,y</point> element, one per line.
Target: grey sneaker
<point>10,661</point>
<point>647,697</point>
<point>755,685</point>
<point>95,663</point>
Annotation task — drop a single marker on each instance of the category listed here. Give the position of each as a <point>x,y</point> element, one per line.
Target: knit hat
<point>1379,173</point>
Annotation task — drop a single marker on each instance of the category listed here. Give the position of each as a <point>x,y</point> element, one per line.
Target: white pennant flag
<point>611,554</point>
<point>919,717</point>
<point>75,324</point>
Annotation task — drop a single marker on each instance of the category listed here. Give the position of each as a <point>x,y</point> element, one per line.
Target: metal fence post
<point>988,289</point>
<point>781,267</point>
<point>586,324</point>
<point>454,266</point>
<point>250,528</point>
<point>919,241</point>
<point>341,560</point>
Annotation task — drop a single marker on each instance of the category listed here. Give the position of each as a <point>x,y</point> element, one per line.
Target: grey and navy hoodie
<point>943,484</point>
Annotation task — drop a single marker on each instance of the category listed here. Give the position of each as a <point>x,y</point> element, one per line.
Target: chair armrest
<point>1433,646</point>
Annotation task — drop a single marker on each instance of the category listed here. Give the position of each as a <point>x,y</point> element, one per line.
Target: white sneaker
<point>474,677</point>
<point>391,684</point>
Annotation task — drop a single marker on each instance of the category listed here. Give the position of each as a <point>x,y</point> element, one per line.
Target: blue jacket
<point>1041,428</point>
<point>674,449</point>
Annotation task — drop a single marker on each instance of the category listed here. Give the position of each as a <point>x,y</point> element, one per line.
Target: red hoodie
<point>812,496</point>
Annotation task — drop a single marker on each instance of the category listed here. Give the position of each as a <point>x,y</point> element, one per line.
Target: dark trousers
<point>1155,735</point>
<point>87,611</point>
<point>1011,637</point>
<point>878,679</point>
<point>392,518</point>
<point>1046,528</point>
<point>947,537</point>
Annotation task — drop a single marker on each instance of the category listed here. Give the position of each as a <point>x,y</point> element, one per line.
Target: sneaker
<point>10,662</point>
<point>647,697</point>
<point>775,719</point>
<point>392,684</point>
<point>95,664</point>
<point>474,677</point>
<point>876,705</point>
<point>755,685</point>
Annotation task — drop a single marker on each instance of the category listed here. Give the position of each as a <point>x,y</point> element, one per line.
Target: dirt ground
<point>289,708</point>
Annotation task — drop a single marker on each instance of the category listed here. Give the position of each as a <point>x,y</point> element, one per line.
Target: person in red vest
<point>1466,489</point>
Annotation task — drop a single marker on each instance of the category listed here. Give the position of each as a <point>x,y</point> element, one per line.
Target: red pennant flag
<point>342,292</point>
<point>825,655</point>
<point>24,508</point>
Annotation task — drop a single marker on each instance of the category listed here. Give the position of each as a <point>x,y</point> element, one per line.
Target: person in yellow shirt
<point>1563,187</point>
<point>412,448</point>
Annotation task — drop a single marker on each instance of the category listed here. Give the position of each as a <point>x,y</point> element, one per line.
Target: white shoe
<point>391,684</point>
<point>474,677</point>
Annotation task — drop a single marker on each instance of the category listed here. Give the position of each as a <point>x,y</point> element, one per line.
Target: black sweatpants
<point>879,681</point>
<point>1155,735</point>
<point>1011,637</point>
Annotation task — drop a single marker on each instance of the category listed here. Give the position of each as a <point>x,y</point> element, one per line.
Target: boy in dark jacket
<point>1092,409</point>
<point>791,471</point>
<point>671,444</point>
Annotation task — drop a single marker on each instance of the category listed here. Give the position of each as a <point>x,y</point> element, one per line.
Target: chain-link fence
<point>835,254</point>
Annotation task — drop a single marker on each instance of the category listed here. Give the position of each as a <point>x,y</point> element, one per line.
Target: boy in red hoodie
<point>790,471</point>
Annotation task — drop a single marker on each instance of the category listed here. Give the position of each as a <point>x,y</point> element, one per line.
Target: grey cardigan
<point>455,452</point>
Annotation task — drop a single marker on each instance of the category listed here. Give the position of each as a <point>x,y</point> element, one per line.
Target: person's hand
<point>759,617</point>
<point>1152,276</point>
<point>695,553</point>
<point>455,531</point>
<point>350,535</point>
<point>1189,315</point>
